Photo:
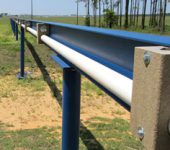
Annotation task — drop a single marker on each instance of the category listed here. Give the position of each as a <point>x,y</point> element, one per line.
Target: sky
<point>43,7</point>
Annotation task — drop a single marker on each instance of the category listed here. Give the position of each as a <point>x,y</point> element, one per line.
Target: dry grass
<point>30,104</point>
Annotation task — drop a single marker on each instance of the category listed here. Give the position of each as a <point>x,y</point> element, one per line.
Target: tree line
<point>125,13</point>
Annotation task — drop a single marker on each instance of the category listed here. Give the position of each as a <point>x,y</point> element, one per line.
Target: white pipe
<point>17,22</point>
<point>116,83</point>
<point>32,31</point>
<point>23,25</point>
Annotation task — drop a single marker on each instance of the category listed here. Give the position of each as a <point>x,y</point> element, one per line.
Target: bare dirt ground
<point>24,106</point>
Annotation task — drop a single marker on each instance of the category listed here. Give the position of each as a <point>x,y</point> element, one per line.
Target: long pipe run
<point>116,83</point>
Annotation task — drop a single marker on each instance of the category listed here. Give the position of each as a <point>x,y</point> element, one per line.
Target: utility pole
<point>31,9</point>
<point>77,12</point>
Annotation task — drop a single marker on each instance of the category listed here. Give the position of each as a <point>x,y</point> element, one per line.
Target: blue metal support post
<point>16,31</point>
<point>21,75</point>
<point>71,109</point>
<point>12,26</point>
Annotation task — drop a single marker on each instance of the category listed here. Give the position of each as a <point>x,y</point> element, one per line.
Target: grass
<point>36,139</point>
<point>88,87</point>
<point>36,83</point>
<point>111,134</point>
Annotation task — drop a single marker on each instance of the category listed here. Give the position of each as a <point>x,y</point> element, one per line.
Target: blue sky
<point>43,7</point>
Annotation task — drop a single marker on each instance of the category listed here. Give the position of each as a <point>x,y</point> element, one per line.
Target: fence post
<point>150,109</point>
<point>21,75</point>
<point>71,109</point>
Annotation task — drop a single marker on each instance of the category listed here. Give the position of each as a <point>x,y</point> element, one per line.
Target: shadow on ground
<point>85,134</point>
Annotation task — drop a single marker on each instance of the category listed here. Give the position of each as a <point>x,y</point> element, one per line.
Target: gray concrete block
<point>150,107</point>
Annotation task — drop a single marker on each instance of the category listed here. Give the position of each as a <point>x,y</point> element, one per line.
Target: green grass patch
<point>6,35</point>
<point>113,134</point>
<point>90,88</point>
<point>36,139</point>
<point>9,49</point>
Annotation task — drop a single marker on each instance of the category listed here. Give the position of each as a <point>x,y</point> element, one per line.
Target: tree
<point>77,2</point>
<point>131,12</point>
<point>144,14</point>
<point>87,5</point>
<point>135,11</point>
<point>164,15</point>
<point>105,6</point>
<point>94,4</point>
<point>111,5</point>
<point>117,5</point>
<point>154,21</point>
<point>133,8</point>
<point>126,14</point>
<point>110,18</point>
<point>121,11</point>
<point>151,13</point>
<point>138,7</point>
<point>99,13</point>
<point>160,14</point>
